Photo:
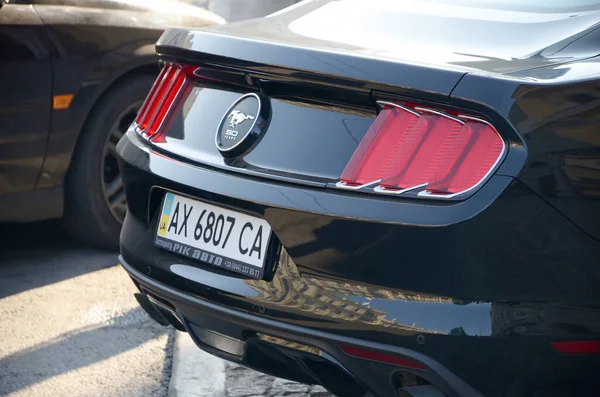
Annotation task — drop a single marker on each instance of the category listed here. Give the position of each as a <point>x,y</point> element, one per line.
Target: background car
<point>388,198</point>
<point>73,75</point>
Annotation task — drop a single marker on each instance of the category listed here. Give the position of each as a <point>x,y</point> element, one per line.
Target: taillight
<point>415,148</point>
<point>577,347</point>
<point>382,357</point>
<point>161,102</point>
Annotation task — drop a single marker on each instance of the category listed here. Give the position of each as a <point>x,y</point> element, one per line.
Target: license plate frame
<point>183,248</point>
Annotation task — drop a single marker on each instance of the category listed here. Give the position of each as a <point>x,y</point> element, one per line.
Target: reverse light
<point>162,100</point>
<point>415,148</point>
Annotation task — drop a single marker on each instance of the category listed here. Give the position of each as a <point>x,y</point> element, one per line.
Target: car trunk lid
<point>322,65</point>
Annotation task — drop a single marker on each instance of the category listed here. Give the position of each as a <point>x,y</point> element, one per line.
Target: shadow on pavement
<point>37,254</point>
<point>77,349</point>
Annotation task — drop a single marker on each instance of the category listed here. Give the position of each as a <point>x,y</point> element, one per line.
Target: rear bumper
<point>302,342</point>
<point>472,290</point>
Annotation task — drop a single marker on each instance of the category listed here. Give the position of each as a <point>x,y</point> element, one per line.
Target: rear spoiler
<point>301,62</point>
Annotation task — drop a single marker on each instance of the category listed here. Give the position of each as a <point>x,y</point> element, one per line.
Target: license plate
<point>214,235</point>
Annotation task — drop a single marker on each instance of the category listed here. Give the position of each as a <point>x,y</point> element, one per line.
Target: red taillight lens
<point>159,104</point>
<point>409,148</point>
<point>577,347</point>
<point>375,153</point>
<point>382,357</point>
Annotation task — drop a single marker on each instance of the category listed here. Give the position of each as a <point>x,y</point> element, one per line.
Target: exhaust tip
<point>421,391</point>
<point>219,341</point>
<point>168,313</point>
<point>150,309</point>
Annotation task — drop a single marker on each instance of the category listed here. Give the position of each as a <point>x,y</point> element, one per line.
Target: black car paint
<point>25,97</point>
<point>466,281</point>
<point>479,40</point>
<point>481,286</point>
<point>554,109</point>
<point>58,47</point>
<point>306,68</point>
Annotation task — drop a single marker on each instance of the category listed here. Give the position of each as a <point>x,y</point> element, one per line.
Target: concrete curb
<point>195,373</point>
<point>199,374</point>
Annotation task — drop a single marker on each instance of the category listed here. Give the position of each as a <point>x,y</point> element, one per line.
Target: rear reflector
<point>577,347</point>
<point>409,148</point>
<point>383,357</point>
<point>161,100</point>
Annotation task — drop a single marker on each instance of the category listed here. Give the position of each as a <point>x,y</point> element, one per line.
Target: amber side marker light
<point>577,347</point>
<point>61,102</point>
<point>383,357</point>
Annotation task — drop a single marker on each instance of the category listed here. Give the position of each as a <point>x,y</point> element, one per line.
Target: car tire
<point>95,204</point>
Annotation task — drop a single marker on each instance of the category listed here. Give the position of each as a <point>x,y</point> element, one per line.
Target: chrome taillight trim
<point>442,114</point>
<point>344,185</point>
<point>399,107</point>
<point>382,190</point>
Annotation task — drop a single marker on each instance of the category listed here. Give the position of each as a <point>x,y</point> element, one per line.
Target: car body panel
<point>464,281</point>
<point>68,48</point>
<point>25,97</point>
<point>364,71</point>
<point>339,127</point>
<point>554,109</point>
<point>564,168</point>
<point>310,224</point>
<point>91,50</point>
<point>272,50</point>
<point>480,285</point>
<point>460,36</point>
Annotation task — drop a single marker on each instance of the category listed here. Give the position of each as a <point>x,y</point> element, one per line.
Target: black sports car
<point>73,74</point>
<point>385,197</point>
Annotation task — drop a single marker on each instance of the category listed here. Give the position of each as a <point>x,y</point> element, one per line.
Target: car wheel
<point>95,203</point>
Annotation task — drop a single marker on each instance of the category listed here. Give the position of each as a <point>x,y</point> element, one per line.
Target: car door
<point>25,97</point>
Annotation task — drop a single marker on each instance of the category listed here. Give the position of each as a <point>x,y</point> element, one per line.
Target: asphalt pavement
<point>71,327</point>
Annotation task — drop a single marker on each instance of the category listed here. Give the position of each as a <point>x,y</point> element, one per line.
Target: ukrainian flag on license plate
<point>166,214</point>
